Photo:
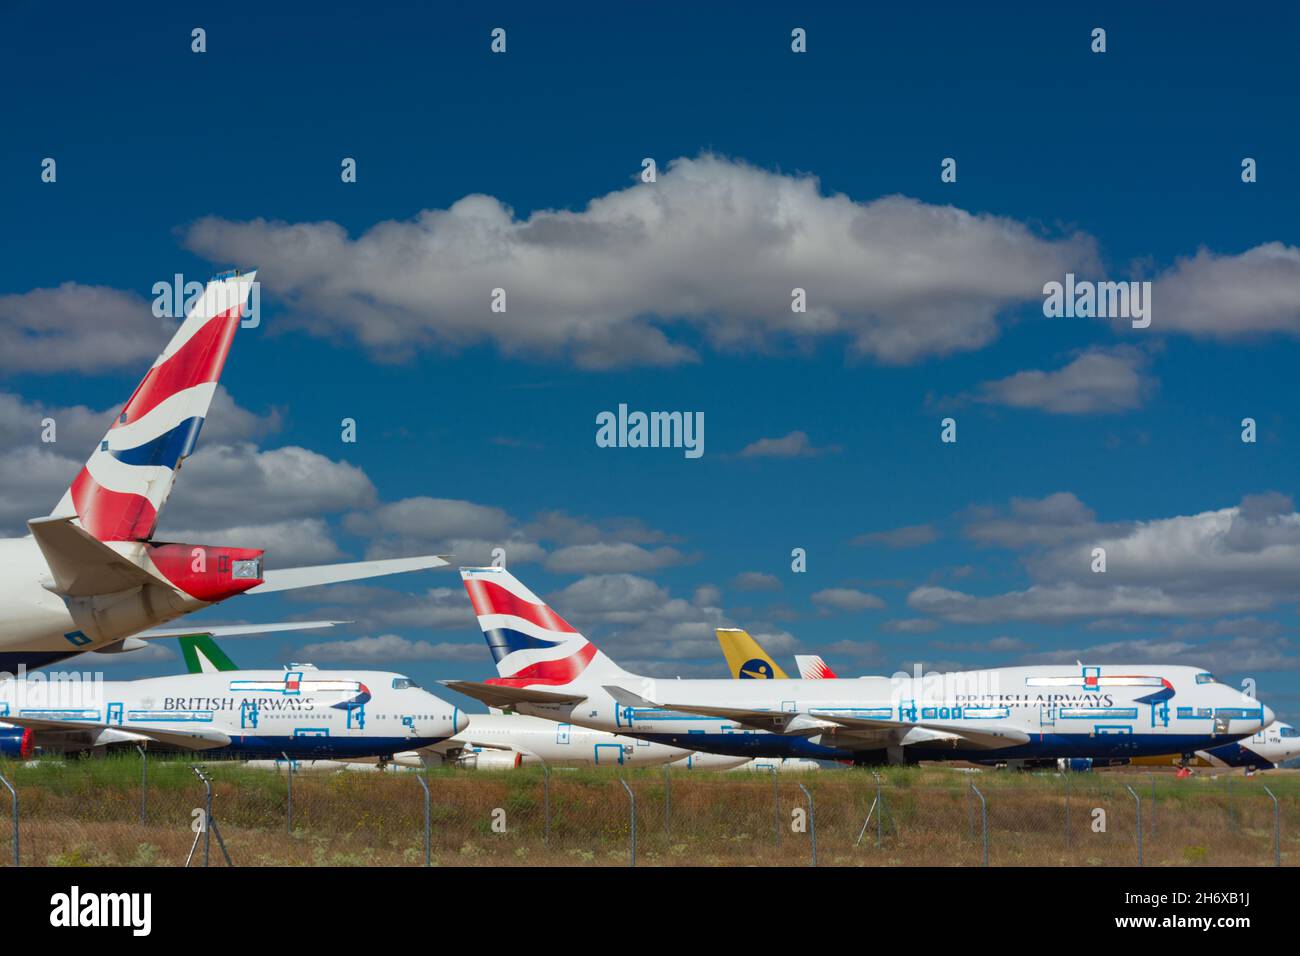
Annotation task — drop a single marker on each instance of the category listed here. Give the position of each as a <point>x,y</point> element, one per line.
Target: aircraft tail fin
<point>812,667</point>
<point>203,656</point>
<point>531,644</point>
<point>125,482</point>
<point>746,657</point>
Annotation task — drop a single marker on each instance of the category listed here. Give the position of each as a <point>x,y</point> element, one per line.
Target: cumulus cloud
<point>1257,291</point>
<point>1235,560</point>
<point>756,581</point>
<point>1099,381</point>
<point>611,557</point>
<point>290,543</point>
<point>909,536</point>
<point>714,243</point>
<point>35,473</point>
<point>846,599</point>
<point>389,648</point>
<point>792,445</point>
<point>78,328</point>
<point>245,483</point>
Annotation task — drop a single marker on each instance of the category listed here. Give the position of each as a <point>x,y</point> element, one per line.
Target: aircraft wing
<point>234,630</point>
<point>497,695</point>
<point>83,565</point>
<point>187,739</point>
<point>933,731</point>
<point>287,579</point>
<point>817,721</point>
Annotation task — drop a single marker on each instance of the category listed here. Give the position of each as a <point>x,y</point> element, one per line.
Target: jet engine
<point>16,742</point>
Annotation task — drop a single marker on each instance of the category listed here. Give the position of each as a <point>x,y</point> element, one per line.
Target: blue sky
<point>477,429</point>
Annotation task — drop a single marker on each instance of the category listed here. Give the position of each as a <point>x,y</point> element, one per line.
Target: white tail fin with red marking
<point>812,667</point>
<point>531,644</point>
<point>126,481</point>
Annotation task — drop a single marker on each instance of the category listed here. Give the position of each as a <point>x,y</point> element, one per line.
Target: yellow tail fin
<point>745,657</point>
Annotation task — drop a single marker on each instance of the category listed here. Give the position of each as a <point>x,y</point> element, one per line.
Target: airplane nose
<point>1268,715</point>
<point>459,720</point>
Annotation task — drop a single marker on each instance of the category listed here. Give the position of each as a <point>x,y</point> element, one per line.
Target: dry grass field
<point>97,812</point>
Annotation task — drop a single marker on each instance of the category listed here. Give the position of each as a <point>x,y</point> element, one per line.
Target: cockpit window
<point>1205,679</point>
<point>403,683</point>
<point>1290,732</point>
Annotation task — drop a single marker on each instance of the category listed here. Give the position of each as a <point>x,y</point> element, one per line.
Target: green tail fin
<point>202,656</point>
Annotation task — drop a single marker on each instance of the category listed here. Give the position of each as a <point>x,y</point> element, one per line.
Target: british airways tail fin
<point>531,644</point>
<point>127,479</point>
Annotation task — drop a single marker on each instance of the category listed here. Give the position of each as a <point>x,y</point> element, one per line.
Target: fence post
<point>632,797</point>
<point>1151,814</point>
<point>289,814</point>
<point>776,807</point>
<point>144,783</point>
<point>1139,820</point>
<point>812,821</point>
<point>1068,839</point>
<point>984,815</point>
<point>1277,828</point>
<point>668,802</point>
<point>207,815</point>
<point>14,794</point>
<point>424,784</point>
<point>546,802</point>
<point>880,808</point>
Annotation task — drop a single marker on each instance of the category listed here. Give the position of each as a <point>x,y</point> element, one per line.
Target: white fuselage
<point>304,714</point>
<point>39,627</point>
<point>1065,711</point>
<point>517,739</point>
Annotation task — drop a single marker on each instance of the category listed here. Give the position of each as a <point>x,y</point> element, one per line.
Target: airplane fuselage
<point>305,714</point>
<point>1048,711</point>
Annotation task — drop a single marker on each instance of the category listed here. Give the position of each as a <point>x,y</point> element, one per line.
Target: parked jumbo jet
<point>494,741</point>
<point>90,577</point>
<point>548,669</point>
<point>300,712</point>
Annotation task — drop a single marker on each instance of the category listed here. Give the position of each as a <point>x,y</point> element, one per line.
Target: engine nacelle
<point>492,760</point>
<point>17,742</point>
<point>1074,764</point>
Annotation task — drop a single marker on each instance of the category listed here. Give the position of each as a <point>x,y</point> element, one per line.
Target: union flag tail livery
<point>126,481</point>
<point>531,644</point>
<point>90,576</point>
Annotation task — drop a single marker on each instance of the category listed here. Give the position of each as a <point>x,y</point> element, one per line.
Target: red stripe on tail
<point>490,598</point>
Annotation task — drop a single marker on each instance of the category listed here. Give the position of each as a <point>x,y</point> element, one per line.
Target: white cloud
<point>291,543</point>
<point>1230,561</point>
<point>608,558</point>
<point>1099,381</point>
<point>847,599</point>
<point>1257,291</point>
<point>78,328</point>
<point>909,536</point>
<point>387,649</point>
<point>243,483</point>
<point>792,445</point>
<point>756,581</point>
<point>716,243</point>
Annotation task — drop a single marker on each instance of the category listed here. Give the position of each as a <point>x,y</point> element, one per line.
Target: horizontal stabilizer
<point>186,739</point>
<point>288,579</point>
<point>497,695</point>
<point>81,564</point>
<point>234,630</point>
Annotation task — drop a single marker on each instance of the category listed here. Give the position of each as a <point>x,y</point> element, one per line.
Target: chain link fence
<point>149,809</point>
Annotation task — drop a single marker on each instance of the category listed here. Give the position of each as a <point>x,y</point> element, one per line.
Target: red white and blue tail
<point>123,486</point>
<point>532,645</point>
